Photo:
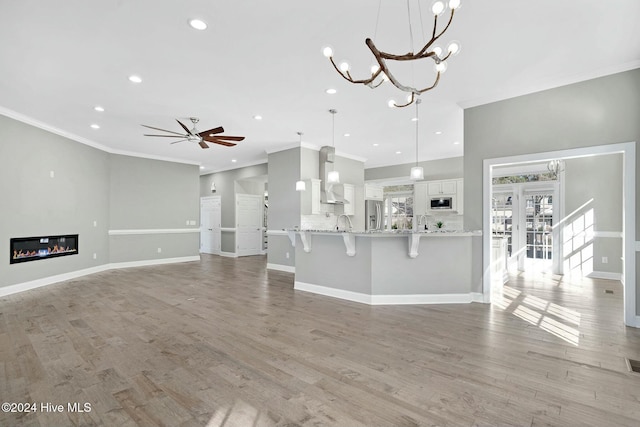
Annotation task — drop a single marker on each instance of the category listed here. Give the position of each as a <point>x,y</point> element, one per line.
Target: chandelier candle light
<point>381,71</point>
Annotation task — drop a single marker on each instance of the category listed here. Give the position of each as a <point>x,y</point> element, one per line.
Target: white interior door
<point>248,224</point>
<point>210,221</point>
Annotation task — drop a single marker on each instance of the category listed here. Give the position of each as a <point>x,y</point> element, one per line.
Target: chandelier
<point>381,72</point>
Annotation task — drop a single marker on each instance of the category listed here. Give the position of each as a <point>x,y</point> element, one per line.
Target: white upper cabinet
<point>373,192</point>
<point>437,188</point>
<point>420,198</point>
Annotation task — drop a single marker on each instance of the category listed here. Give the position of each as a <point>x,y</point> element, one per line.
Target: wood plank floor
<point>226,342</point>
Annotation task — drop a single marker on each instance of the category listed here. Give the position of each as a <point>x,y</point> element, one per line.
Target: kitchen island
<point>388,267</point>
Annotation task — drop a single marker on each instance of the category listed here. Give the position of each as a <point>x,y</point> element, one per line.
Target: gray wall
<point>226,188</point>
<point>152,194</point>
<point>34,204</point>
<point>284,203</point>
<point>89,187</point>
<point>594,112</point>
<point>433,170</point>
<point>598,178</point>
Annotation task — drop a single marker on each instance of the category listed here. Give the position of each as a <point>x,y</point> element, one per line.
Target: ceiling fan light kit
<point>201,138</point>
<point>381,71</point>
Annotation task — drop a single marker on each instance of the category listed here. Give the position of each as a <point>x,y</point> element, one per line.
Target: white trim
<point>52,129</point>
<point>567,80</point>
<point>154,231</point>
<point>630,245</point>
<point>280,267</point>
<point>46,281</point>
<point>229,254</point>
<point>605,275</point>
<point>608,234</point>
<point>228,229</point>
<point>277,233</point>
<point>148,262</point>
<point>387,299</point>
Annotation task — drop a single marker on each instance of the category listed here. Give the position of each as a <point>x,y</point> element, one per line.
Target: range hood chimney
<point>329,193</point>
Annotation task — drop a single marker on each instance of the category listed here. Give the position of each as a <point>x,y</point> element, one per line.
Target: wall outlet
<point>605,260</point>
<point>188,222</point>
<point>159,250</point>
<point>95,256</point>
<point>52,174</point>
<point>95,223</point>
<point>287,255</point>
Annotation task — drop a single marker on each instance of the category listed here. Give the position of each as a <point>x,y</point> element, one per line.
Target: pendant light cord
<point>410,28</point>
<point>417,124</point>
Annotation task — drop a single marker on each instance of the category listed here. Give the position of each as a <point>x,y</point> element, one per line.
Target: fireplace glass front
<point>24,249</point>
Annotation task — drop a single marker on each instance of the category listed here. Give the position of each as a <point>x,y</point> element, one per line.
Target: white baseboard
<point>478,297</point>
<point>145,263</point>
<point>46,281</point>
<point>229,254</point>
<point>388,299</point>
<point>605,275</point>
<point>280,267</point>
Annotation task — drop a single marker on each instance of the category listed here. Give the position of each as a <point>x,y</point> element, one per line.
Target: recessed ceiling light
<point>438,132</point>
<point>135,79</point>
<point>233,160</point>
<point>95,126</point>
<point>347,135</point>
<point>98,108</point>
<point>201,167</point>
<point>398,152</point>
<point>198,24</point>
<point>331,91</point>
<point>375,145</point>
<point>415,119</point>
<point>257,117</point>
<point>456,143</point>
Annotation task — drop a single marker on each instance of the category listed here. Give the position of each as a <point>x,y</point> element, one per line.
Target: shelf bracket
<point>414,243</point>
<point>305,236</point>
<point>349,243</point>
<point>292,237</point>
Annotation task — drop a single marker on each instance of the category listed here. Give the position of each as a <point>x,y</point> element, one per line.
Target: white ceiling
<point>60,58</point>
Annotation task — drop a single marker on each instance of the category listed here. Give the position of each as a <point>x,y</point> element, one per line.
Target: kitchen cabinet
<point>350,195</point>
<point>373,192</point>
<point>311,198</point>
<point>437,188</point>
<point>459,196</point>
<point>420,199</point>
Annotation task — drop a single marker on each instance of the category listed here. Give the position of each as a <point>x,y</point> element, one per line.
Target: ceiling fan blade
<point>225,143</point>
<point>213,131</point>
<point>203,144</point>
<point>184,127</point>
<point>163,130</point>
<point>180,140</point>
<point>164,136</point>
<point>230,138</point>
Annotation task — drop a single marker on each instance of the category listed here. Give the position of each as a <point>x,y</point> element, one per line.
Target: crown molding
<point>73,137</point>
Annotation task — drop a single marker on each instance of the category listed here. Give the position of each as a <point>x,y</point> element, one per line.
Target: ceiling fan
<point>211,135</point>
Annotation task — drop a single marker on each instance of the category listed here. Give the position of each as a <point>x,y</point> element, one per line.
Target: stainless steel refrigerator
<point>374,212</point>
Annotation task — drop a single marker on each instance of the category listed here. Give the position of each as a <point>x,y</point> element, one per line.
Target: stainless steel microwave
<point>442,203</point>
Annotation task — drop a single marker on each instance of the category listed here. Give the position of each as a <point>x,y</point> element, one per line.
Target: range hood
<point>329,193</point>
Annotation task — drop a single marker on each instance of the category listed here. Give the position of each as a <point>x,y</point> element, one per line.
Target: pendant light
<point>300,185</point>
<point>417,172</point>
<point>333,177</point>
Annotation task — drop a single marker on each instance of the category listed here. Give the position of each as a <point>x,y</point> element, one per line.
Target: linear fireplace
<point>24,249</point>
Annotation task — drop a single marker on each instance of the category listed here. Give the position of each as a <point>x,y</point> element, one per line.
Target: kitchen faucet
<point>347,222</point>
<point>420,218</point>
